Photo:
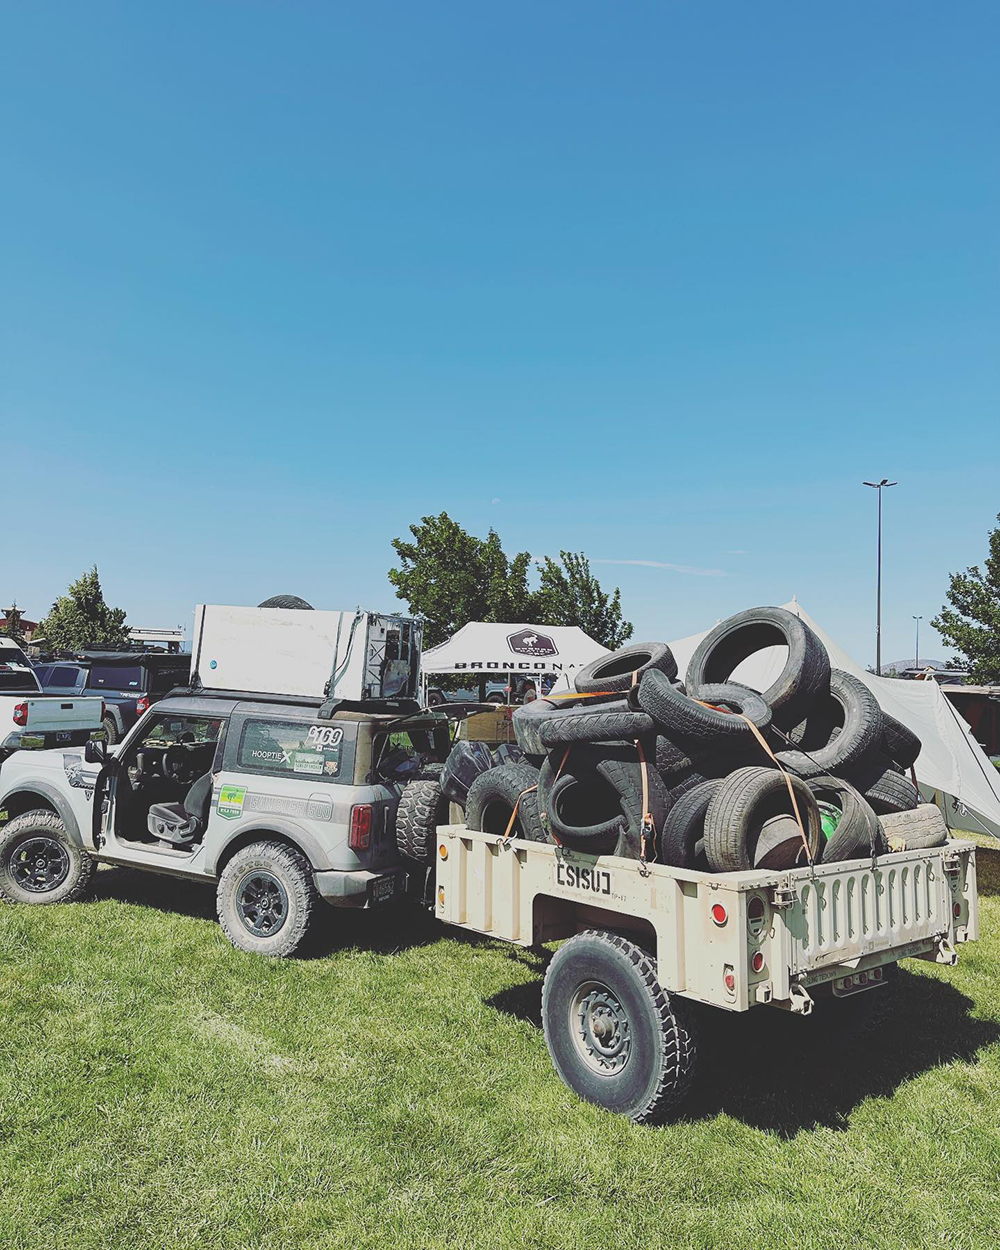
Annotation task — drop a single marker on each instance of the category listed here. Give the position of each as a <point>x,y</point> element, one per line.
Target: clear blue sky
<point>661,282</point>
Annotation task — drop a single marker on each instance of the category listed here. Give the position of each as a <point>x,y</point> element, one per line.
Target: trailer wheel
<point>614,1034</point>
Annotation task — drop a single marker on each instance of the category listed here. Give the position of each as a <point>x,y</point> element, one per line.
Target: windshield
<point>115,677</point>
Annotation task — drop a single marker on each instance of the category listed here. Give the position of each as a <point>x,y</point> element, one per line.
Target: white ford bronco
<point>281,800</point>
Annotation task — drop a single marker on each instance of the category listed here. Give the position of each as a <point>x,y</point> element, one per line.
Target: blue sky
<point>661,283</point>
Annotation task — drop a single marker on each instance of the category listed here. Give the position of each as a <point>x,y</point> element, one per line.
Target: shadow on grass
<point>783,1074</point>
<point>395,927</point>
<point>988,869</point>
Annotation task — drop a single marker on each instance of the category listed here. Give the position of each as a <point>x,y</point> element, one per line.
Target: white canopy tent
<point>505,650</point>
<point>951,764</point>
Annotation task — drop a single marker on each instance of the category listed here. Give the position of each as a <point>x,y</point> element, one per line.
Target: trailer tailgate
<point>842,912</point>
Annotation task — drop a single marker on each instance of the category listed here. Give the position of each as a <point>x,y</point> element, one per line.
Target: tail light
<point>142,704</point>
<point>360,837</point>
<point>20,714</point>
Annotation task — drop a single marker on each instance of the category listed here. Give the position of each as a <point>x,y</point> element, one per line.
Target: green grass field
<point>160,1089</point>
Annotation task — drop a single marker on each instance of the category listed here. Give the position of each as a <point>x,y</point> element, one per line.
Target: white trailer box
<point>340,655</point>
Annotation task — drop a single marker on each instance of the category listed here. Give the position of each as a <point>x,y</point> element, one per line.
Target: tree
<point>972,624</point>
<point>81,618</point>
<point>571,595</point>
<point>450,577</point>
<point>12,625</point>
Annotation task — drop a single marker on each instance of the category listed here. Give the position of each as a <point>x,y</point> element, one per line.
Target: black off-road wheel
<point>614,1034</point>
<point>422,807</point>
<point>39,863</point>
<point>266,899</point>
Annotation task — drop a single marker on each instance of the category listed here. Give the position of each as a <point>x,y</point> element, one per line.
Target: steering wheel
<point>176,763</point>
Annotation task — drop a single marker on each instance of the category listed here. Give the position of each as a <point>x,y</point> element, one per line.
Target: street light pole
<point>916,644</point>
<point>878,581</point>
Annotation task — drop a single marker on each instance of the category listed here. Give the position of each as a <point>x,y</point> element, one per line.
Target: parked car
<point>130,682</point>
<point>279,806</point>
<point>519,689</point>
<point>33,718</point>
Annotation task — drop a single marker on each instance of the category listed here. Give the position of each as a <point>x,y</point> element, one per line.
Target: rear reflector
<point>360,838</point>
<point>729,979</point>
<point>757,962</point>
<point>719,913</point>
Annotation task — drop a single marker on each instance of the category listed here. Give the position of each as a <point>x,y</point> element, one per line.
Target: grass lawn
<point>160,1089</point>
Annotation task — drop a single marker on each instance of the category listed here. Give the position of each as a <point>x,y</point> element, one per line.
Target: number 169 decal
<point>324,735</point>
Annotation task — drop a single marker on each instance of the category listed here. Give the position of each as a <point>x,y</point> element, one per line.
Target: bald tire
<point>659,1066</point>
<point>45,830</point>
<point>918,830</point>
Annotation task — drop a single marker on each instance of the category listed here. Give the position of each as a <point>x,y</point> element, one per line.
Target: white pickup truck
<point>31,718</point>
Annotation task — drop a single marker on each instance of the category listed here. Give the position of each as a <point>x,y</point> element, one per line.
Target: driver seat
<point>183,823</point>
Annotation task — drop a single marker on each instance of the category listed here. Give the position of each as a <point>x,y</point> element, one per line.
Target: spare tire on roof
<point>619,670</point>
<point>806,672</point>
<point>840,731</point>
<point>285,601</point>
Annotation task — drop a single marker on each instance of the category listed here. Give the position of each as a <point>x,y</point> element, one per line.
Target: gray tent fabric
<point>952,768</point>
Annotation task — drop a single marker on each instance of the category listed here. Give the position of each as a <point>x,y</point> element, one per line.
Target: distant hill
<point>897,666</point>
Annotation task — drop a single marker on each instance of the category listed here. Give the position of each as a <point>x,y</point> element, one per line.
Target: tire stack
<point>634,762</point>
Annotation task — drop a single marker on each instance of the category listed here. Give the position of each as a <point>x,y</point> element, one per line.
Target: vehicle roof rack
<point>383,707</point>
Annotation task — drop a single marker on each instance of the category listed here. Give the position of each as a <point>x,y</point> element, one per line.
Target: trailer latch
<point>782,896</point>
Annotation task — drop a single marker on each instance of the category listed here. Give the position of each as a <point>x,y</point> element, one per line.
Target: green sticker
<point>231,802</point>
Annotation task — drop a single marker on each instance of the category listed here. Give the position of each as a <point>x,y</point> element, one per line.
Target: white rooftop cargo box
<point>339,655</point>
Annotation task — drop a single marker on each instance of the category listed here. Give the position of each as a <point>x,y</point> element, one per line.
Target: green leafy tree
<point>972,623</point>
<point>450,577</point>
<point>81,618</point>
<point>571,595</point>
<point>12,625</point>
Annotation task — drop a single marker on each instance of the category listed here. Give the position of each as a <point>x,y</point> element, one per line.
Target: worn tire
<point>900,744</point>
<point>916,830</point>
<point>806,672</point>
<point>527,724</point>
<point>422,807</point>
<point>682,717</point>
<point>841,730</point>
<point>580,809</point>
<point>66,875</point>
<point>599,977</point>
<point>682,843</point>
<point>743,802</point>
<point>492,799</point>
<point>614,722</point>
<point>281,868</point>
<point>886,789</point>
<point>857,831</point>
<point>618,670</point>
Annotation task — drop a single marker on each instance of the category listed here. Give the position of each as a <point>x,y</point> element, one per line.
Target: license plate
<point>384,888</point>
<point>63,736</point>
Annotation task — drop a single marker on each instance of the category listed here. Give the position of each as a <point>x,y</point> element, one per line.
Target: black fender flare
<point>310,846</point>
<point>57,800</point>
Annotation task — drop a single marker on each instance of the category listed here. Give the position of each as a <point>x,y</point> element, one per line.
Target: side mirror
<point>94,752</point>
